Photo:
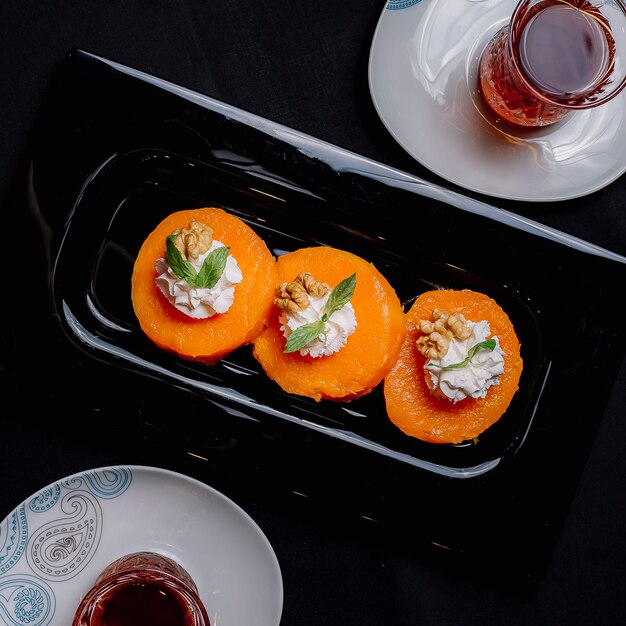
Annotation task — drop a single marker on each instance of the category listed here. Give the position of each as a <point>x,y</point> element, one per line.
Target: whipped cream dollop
<point>473,379</point>
<point>337,328</point>
<point>196,302</point>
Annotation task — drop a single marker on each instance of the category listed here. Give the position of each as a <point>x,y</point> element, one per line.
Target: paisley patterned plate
<point>54,544</point>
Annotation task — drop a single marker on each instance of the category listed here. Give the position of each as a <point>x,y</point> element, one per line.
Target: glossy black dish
<point>115,151</point>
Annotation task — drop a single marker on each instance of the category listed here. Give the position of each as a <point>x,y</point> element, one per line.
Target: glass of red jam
<point>142,589</point>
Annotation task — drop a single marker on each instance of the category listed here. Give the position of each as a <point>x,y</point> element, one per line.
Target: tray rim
<point>351,163</point>
<point>400,178</point>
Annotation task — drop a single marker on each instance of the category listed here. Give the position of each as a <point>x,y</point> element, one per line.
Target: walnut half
<point>436,335</point>
<point>294,296</point>
<point>194,241</point>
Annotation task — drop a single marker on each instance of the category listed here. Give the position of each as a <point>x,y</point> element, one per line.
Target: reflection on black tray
<point>115,153</point>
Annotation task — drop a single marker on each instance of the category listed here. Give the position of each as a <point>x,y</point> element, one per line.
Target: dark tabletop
<point>304,65</point>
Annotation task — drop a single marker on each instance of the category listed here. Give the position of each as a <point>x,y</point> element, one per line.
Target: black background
<point>304,65</point>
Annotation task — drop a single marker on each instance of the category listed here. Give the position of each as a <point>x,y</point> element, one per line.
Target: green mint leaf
<point>489,344</point>
<point>303,335</point>
<point>340,296</point>
<point>180,266</point>
<point>212,268</point>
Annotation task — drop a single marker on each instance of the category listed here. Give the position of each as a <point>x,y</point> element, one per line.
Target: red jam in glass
<point>142,589</point>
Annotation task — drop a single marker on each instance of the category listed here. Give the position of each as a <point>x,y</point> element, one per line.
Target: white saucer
<point>423,75</point>
<point>54,545</point>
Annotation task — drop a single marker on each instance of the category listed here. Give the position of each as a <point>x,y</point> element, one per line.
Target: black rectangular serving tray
<point>116,150</point>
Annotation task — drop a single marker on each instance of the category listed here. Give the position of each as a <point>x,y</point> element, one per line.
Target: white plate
<point>423,81</point>
<point>54,545</point>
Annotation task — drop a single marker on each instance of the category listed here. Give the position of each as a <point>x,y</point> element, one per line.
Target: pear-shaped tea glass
<point>554,57</point>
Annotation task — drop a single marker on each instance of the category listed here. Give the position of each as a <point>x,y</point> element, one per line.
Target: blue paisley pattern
<point>13,538</point>
<point>26,600</point>
<point>104,484</point>
<point>394,5</point>
<point>58,532</point>
<point>46,499</point>
<point>63,547</point>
